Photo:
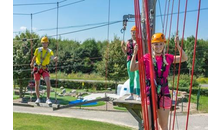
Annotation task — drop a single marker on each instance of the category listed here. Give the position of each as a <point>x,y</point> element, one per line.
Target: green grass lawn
<point>92,76</point>
<point>23,121</point>
<point>15,96</point>
<point>203,102</point>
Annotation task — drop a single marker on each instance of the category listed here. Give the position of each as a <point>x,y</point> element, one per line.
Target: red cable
<point>177,28</point>
<point>141,65</point>
<point>170,28</point>
<point>168,40</point>
<point>179,64</point>
<point>194,56</point>
<point>151,65</point>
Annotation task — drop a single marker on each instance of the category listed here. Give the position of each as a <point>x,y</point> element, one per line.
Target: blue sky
<point>96,11</point>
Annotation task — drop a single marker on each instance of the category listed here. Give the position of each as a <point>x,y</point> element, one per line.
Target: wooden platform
<point>134,107</point>
<point>43,105</point>
<point>22,104</point>
<point>121,102</point>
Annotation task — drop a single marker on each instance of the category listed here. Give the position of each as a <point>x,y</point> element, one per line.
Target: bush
<point>184,81</point>
<point>203,91</point>
<point>78,84</point>
<point>202,80</point>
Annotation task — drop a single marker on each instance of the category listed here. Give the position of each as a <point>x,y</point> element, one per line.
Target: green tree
<point>115,60</point>
<point>201,61</point>
<point>66,49</point>
<point>184,68</point>
<point>86,55</point>
<point>21,59</point>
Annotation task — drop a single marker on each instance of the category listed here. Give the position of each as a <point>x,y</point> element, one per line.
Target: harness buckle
<point>158,89</point>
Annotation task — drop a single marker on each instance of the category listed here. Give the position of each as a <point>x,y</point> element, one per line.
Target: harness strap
<point>131,51</point>
<point>42,58</point>
<point>37,69</point>
<point>131,47</point>
<point>159,97</point>
<point>158,78</point>
<point>158,81</point>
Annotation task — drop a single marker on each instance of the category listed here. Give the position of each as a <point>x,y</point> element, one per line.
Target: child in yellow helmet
<point>42,56</point>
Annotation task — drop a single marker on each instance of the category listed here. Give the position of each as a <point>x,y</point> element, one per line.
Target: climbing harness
<point>39,68</point>
<point>158,82</point>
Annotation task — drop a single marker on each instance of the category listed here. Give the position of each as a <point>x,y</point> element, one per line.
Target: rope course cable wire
<point>33,4</point>
<point>73,26</point>
<point>67,27</point>
<point>161,15</point>
<point>37,3</point>
<point>59,7</point>
<point>57,48</point>
<point>164,15</point>
<point>167,18</point>
<point>86,29</point>
<point>107,57</point>
<point>20,14</point>
<point>189,11</point>
<point>168,41</point>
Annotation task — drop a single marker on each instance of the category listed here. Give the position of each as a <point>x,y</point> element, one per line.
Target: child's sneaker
<point>138,98</point>
<point>48,102</point>
<point>129,97</point>
<point>37,101</point>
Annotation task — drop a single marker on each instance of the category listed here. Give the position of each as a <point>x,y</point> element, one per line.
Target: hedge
<point>101,86</point>
<point>203,91</point>
<point>78,84</point>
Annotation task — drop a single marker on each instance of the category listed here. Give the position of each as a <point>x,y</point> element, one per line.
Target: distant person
<point>133,76</point>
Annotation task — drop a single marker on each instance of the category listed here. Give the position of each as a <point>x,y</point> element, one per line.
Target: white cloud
<point>23,28</point>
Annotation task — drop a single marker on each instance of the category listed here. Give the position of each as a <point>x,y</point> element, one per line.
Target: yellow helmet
<point>158,37</point>
<point>44,39</point>
<point>133,28</point>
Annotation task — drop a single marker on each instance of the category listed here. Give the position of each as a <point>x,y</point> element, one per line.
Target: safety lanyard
<point>43,58</point>
<point>158,79</point>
